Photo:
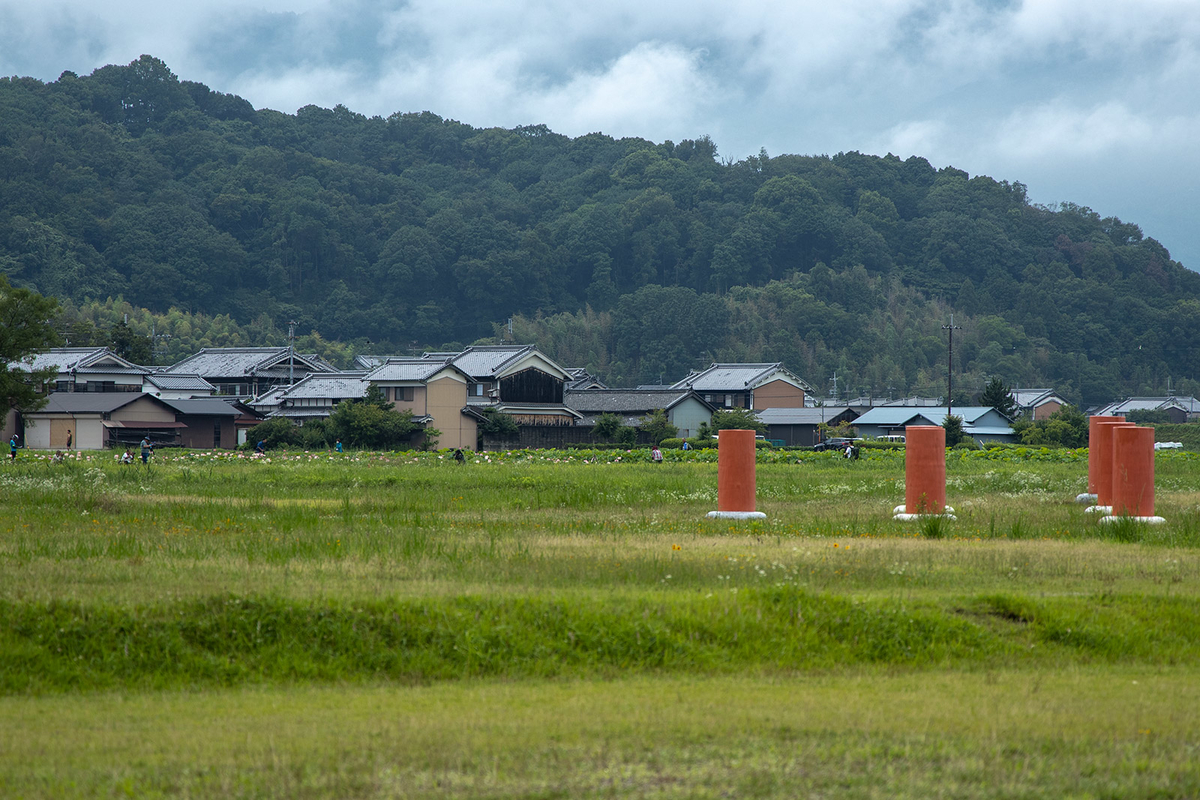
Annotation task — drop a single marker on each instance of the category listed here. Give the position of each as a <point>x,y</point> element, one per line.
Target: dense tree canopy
<point>26,326</point>
<point>217,223</point>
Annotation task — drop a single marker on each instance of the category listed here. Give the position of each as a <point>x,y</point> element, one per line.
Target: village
<point>212,399</point>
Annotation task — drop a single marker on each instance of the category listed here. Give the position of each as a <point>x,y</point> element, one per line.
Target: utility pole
<point>951,328</point>
<point>291,352</point>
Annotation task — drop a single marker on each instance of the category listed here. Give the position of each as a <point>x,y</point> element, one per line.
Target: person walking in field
<point>338,446</point>
<point>147,446</point>
<point>69,438</point>
<point>656,454</point>
<point>12,447</point>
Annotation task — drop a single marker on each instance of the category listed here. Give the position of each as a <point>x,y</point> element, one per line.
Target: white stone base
<point>1085,498</point>
<point>1098,510</point>
<point>902,509</point>
<point>1148,520</point>
<point>919,517</point>
<point>736,515</point>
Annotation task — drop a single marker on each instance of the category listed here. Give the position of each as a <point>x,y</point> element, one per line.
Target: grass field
<point>550,625</point>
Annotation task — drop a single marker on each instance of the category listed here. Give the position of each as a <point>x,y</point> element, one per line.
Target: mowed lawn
<point>549,625</point>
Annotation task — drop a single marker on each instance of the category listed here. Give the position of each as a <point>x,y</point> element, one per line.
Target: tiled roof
<point>1189,404</point>
<point>203,406</point>
<point>180,383</point>
<point>90,402</point>
<point>406,369</point>
<point>228,362</point>
<point>1026,398</point>
<point>618,401</point>
<point>486,362</point>
<point>734,377</point>
<point>65,359</point>
<point>332,385</point>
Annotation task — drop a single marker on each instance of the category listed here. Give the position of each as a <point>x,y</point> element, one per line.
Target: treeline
<point>401,232</point>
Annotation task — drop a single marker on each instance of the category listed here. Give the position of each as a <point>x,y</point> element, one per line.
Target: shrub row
<point>66,646</point>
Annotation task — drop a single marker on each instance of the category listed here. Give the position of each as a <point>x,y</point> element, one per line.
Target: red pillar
<point>735,476</point>
<point>924,469</point>
<point>1133,472</point>
<point>1094,464</point>
<point>1104,455</point>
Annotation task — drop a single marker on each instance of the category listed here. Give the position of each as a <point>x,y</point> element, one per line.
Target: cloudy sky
<point>1095,102</point>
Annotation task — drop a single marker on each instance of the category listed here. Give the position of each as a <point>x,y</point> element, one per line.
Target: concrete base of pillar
<point>736,515</point>
<point>1113,519</point>
<point>904,510</point>
<point>1098,510</point>
<point>919,517</point>
<point>1085,498</point>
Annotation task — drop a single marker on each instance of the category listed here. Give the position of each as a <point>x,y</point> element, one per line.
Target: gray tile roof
<point>406,369</point>
<point>82,359</point>
<point>203,406</point>
<point>320,385</point>
<point>229,362</point>
<point>1025,398</point>
<point>617,401</point>
<point>734,377</point>
<point>180,383</point>
<point>487,362</point>
<point>90,402</point>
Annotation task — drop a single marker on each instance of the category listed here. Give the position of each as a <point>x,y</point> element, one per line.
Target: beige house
<point>97,420</point>
<point>434,391</point>
<point>754,386</point>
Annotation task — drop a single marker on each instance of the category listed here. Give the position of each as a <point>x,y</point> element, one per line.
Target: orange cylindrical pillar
<point>924,469</point>
<point>1104,450</point>
<point>1094,465</point>
<point>1133,472</point>
<point>735,476</point>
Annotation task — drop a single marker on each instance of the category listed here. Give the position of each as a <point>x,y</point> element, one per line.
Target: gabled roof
<point>625,401</point>
<point>493,361</point>
<point>1029,398</point>
<point>331,385</point>
<point>1121,407</point>
<point>180,383</point>
<point>231,362</point>
<point>369,362</point>
<point>91,402</point>
<point>66,359</point>
<point>410,370</point>
<point>896,416</point>
<point>738,377</point>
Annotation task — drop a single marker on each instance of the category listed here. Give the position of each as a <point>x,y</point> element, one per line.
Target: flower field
<point>550,624</point>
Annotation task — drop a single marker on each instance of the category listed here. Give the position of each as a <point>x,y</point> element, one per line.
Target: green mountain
<point>129,190</point>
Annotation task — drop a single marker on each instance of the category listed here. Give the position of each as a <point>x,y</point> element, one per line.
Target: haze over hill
<point>635,258</point>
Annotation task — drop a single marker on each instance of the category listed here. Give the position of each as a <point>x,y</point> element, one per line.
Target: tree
<point>498,425</point>
<point>26,327</point>
<point>1067,427</point>
<point>738,419</point>
<point>658,426</point>
<point>130,345</point>
<point>999,397</point>
<point>954,430</point>
<point>607,427</point>
<point>372,423</point>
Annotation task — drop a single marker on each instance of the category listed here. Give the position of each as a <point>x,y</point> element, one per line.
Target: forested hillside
<point>131,192</point>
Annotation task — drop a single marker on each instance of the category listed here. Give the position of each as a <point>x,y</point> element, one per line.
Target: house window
<point>216,433</point>
<point>404,393</point>
<point>728,401</point>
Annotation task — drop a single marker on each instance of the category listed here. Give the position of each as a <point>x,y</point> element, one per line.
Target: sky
<point>1094,102</point>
